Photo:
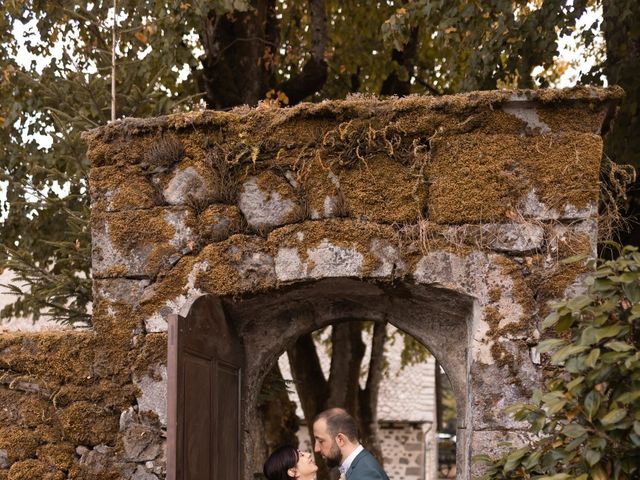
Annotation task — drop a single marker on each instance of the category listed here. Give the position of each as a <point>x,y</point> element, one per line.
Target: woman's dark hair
<point>279,462</point>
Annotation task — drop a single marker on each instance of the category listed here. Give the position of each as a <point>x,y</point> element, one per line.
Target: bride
<point>287,462</point>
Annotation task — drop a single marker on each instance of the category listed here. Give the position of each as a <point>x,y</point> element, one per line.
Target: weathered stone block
<point>140,243</point>
<point>141,473</point>
<point>119,291</point>
<point>141,443</point>
<point>153,393</point>
<point>218,222</point>
<point>494,443</point>
<point>190,182</point>
<point>267,201</point>
<point>309,251</point>
<point>323,195</point>
<point>477,178</point>
<point>503,237</point>
<point>116,188</point>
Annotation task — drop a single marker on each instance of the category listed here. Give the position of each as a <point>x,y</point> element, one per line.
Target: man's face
<point>325,445</point>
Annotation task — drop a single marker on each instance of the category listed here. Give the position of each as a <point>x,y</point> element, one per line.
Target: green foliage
<point>459,46</point>
<point>587,420</point>
<point>484,45</point>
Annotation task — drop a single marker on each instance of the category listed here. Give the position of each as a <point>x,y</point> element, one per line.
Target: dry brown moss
<point>121,188</point>
<point>121,151</point>
<point>34,469</point>
<point>483,177</point>
<point>152,353</point>
<point>321,186</point>
<point>577,117</point>
<point>129,230</point>
<point>49,433</point>
<point>54,357</point>
<point>59,455</point>
<point>565,169</point>
<point>306,124</point>
<point>35,410</point>
<point>495,294</point>
<point>85,423</point>
<point>383,190</point>
<point>473,178</point>
<point>105,392</point>
<point>217,222</point>
<point>19,443</point>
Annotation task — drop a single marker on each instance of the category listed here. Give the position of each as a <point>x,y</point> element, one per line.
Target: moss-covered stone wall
<point>478,195</point>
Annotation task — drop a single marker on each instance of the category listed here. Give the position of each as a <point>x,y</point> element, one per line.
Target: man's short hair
<point>339,421</point>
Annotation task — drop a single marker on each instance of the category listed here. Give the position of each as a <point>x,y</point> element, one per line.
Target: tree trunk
<point>368,398</point>
<point>346,359</point>
<point>239,46</point>
<point>277,413</point>
<point>622,67</point>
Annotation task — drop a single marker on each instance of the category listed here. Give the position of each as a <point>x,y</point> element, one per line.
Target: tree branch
<point>346,358</point>
<point>307,374</point>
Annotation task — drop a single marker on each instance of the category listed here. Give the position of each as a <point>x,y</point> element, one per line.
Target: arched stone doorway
<point>447,216</point>
<point>442,319</point>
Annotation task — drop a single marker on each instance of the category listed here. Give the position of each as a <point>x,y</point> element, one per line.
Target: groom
<point>336,439</point>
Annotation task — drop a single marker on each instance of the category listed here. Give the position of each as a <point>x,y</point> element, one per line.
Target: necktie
<point>343,475</point>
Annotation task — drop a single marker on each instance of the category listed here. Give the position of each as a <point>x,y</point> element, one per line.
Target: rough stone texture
<point>516,238</point>
<point>346,210</point>
<point>218,222</point>
<point>494,443</point>
<point>141,243</point>
<point>4,459</point>
<point>153,396</point>
<point>142,473</point>
<point>267,201</point>
<point>115,188</point>
<point>531,206</point>
<point>191,182</point>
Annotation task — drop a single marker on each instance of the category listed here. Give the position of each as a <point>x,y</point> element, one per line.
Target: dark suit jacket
<point>365,467</point>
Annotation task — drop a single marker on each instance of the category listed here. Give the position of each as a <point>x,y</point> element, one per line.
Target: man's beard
<point>334,459</point>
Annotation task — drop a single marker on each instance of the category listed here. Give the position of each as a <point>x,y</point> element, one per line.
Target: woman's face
<point>306,466</point>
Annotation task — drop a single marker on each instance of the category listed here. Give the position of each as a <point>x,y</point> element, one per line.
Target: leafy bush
<point>586,422</point>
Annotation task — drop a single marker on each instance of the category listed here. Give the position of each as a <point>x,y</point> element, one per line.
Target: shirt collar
<point>349,460</point>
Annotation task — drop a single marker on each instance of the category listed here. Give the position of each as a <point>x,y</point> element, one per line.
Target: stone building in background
<point>406,413</point>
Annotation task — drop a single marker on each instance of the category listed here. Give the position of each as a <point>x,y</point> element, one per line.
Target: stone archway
<point>453,210</point>
<point>439,319</point>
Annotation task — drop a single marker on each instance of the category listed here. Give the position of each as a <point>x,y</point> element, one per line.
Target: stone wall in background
<point>450,214</point>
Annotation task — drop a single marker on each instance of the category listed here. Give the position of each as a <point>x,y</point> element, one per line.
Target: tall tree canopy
<point>55,83</point>
<point>55,67</point>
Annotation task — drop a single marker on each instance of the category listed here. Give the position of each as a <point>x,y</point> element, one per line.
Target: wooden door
<point>204,366</point>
